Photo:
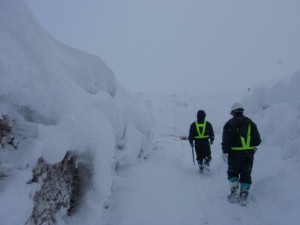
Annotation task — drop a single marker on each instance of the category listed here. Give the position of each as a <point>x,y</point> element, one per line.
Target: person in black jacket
<point>201,132</point>
<point>239,141</point>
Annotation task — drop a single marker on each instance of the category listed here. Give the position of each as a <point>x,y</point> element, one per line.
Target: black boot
<point>206,163</point>
<point>200,166</point>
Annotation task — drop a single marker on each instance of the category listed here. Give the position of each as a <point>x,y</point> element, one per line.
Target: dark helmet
<point>201,115</point>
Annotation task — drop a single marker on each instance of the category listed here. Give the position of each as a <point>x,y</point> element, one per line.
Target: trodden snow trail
<point>168,189</point>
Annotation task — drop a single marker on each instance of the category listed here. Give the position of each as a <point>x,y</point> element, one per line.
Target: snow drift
<point>60,99</point>
<point>276,109</point>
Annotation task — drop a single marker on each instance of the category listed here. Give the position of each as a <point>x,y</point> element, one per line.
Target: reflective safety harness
<point>245,143</point>
<point>201,134</point>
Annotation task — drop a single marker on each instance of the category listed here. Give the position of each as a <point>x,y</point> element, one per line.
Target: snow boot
<point>244,193</point>
<point>206,162</point>
<point>206,167</point>
<point>234,190</point>
<point>200,166</point>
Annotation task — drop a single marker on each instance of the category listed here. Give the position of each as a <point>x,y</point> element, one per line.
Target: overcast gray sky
<point>169,46</point>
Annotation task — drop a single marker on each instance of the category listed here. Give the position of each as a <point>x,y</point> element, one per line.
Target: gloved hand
<point>255,149</point>
<point>225,156</point>
<point>211,141</point>
<point>192,145</point>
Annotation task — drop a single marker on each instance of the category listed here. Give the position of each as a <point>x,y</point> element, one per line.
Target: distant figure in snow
<point>239,141</point>
<point>201,132</point>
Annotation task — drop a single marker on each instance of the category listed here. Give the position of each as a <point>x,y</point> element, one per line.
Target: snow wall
<point>62,99</point>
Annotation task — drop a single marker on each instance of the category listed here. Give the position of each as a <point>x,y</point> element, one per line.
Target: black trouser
<point>203,152</point>
<point>240,165</point>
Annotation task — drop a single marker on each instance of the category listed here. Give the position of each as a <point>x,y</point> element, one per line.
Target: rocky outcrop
<point>59,193</point>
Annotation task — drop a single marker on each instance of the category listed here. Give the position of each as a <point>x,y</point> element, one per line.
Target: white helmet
<point>237,107</point>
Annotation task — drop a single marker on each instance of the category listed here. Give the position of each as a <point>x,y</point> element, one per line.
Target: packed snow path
<point>169,190</point>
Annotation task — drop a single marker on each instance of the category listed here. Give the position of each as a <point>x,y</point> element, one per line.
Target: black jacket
<point>234,129</point>
<point>208,131</point>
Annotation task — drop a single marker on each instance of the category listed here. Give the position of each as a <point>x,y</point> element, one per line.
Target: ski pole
<point>193,154</point>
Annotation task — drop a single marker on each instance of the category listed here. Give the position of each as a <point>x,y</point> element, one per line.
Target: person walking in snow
<point>239,140</point>
<point>202,135</point>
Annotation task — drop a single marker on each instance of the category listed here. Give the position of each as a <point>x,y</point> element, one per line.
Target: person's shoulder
<point>229,123</point>
<point>193,124</point>
<point>208,122</point>
<point>249,120</point>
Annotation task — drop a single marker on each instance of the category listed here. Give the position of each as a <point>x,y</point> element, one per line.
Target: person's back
<point>201,132</point>
<point>238,127</point>
<point>239,141</point>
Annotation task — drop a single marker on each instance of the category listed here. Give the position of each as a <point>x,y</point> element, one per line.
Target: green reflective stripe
<point>245,144</point>
<point>201,134</point>
<point>241,148</point>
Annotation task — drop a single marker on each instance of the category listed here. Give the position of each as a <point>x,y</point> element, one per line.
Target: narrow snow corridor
<point>168,189</point>
<point>78,146</point>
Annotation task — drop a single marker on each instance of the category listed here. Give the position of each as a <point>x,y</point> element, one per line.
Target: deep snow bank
<point>61,99</point>
<point>275,107</point>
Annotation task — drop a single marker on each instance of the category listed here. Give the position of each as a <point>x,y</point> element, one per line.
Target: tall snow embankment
<point>57,99</point>
<point>276,110</point>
